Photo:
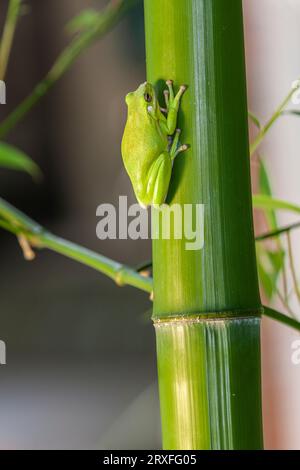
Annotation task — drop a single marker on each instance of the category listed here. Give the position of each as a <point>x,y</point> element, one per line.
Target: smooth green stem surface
<point>107,20</point>
<point>8,34</point>
<point>204,369</point>
<point>200,43</point>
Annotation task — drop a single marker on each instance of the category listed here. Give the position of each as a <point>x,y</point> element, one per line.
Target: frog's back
<point>142,143</point>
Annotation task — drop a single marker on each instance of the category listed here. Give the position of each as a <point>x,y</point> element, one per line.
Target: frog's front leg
<point>172,103</point>
<point>159,179</point>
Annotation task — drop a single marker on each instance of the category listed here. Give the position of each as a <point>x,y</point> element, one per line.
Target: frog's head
<point>143,98</point>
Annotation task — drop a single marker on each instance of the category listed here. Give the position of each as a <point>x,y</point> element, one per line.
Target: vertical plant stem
<point>8,34</point>
<point>206,302</point>
<point>292,265</point>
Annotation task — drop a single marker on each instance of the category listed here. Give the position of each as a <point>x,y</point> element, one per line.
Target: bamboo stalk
<point>206,302</point>
<point>8,34</point>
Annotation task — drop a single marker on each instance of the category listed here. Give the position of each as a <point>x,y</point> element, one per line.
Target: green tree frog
<point>151,142</point>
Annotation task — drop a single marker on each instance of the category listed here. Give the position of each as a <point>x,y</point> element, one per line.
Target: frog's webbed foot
<point>175,150</point>
<point>172,103</point>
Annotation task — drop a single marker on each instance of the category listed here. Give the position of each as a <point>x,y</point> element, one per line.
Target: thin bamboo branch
<point>18,223</point>
<point>277,232</point>
<point>8,34</point>
<point>284,302</point>
<point>278,112</point>
<point>107,20</point>
<point>292,266</point>
<point>285,283</point>
<point>7,226</point>
<point>280,317</point>
<point>121,274</point>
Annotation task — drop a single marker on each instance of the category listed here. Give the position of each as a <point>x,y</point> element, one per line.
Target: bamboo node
<point>119,278</point>
<point>241,314</point>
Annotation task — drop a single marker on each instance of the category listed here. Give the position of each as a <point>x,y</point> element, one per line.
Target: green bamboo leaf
<point>276,259</point>
<point>276,115</point>
<point>270,263</point>
<point>268,203</point>
<point>265,278</point>
<point>254,119</point>
<point>265,188</point>
<point>264,182</point>
<point>85,20</point>
<point>15,159</point>
<point>293,112</point>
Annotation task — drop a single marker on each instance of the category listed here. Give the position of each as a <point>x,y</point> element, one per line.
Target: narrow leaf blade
<point>263,201</point>
<point>265,188</point>
<point>15,159</point>
<point>85,20</point>
<point>254,119</point>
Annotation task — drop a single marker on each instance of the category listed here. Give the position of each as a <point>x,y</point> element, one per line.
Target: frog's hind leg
<point>175,143</point>
<point>175,150</point>
<point>162,181</point>
<point>159,179</point>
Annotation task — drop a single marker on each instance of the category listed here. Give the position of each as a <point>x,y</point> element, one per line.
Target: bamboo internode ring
<point>236,314</point>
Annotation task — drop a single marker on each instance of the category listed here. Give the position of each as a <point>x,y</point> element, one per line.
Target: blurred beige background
<point>273,64</point>
<point>81,369</point>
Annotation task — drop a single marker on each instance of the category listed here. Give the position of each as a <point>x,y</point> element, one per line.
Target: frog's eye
<point>148,97</point>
